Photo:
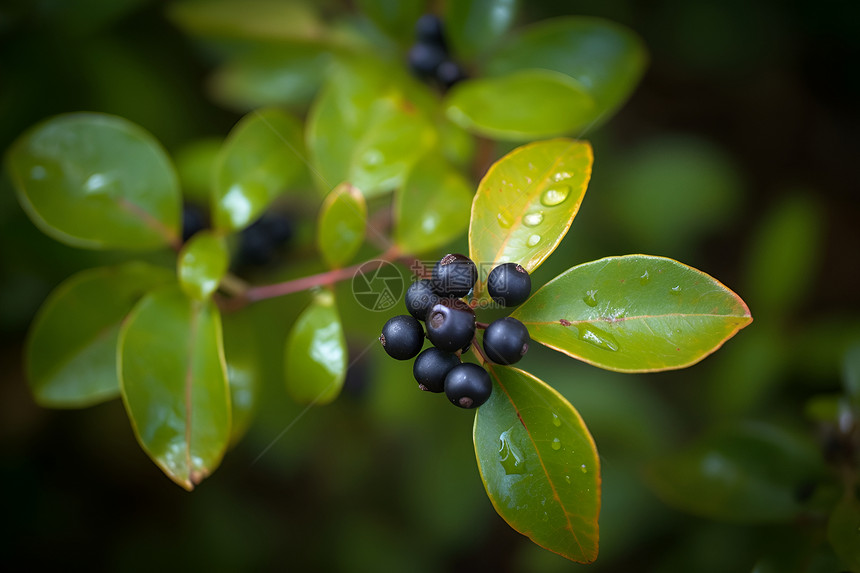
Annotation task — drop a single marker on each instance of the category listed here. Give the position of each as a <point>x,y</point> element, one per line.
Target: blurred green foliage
<point>738,143</point>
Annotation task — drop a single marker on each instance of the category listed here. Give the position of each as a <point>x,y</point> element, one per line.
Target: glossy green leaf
<point>282,75</point>
<point>432,207</point>
<point>526,203</point>
<point>248,20</point>
<point>244,375</point>
<point>174,383</point>
<point>522,105</point>
<point>634,313</point>
<point>474,26</point>
<point>606,58</point>
<point>195,164</point>
<point>394,17</point>
<point>539,464</point>
<point>201,264</point>
<point>358,125</point>
<point>341,225</point>
<point>260,158</point>
<point>71,347</point>
<point>315,360</point>
<point>96,181</point>
<point>843,531</point>
<point>747,473</point>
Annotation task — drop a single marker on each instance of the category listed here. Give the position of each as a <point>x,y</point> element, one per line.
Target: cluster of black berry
<point>450,324</point>
<point>429,57</point>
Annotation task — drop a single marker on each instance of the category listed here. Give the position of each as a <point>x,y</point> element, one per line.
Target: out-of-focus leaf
<point>851,374</point>
<point>539,464</point>
<point>477,25</point>
<point>260,158</point>
<point>432,207</point>
<point>783,256</point>
<point>201,264</point>
<point>606,58</point>
<point>286,75</point>
<point>746,473</point>
<point>241,350</point>
<point>315,360</point>
<point>843,531</point>
<point>248,20</point>
<point>341,225</point>
<point>174,383</point>
<point>526,203</point>
<point>394,17</point>
<point>71,348</point>
<point>195,165</point>
<point>634,313</point>
<point>96,181</point>
<point>358,125</point>
<point>521,105</point>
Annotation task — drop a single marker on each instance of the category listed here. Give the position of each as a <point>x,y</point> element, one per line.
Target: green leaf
<point>605,58</point>
<point>260,158</point>
<point>201,264</point>
<point>71,347</point>
<point>241,350</point>
<point>315,360</point>
<point>96,181</point>
<point>851,374</point>
<point>539,464</point>
<point>174,383</point>
<point>474,26</point>
<point>843,531</point>
<point>526,203</point>
<point>394,17</point>
<point>634,313</point>
<point>341,225</point>
<point>521,105</point>
<point>368,127</point>
<point>747,473</point>
<point>247,20</point>
<point>431,209</point>
<point>195,164</point>
<point>282,75</point>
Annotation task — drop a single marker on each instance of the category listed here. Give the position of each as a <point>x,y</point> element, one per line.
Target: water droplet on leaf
<point>644,279</point>
<point>567,479</point>
<point>533,219</point>
<point>597,337</point>
<point>511,459</point>
<point>676,290</point>
<point>504,220</point>
<point>555,195</point>
<point>583,469</point>
<point>555,421</point>
<point>372,158</point>
<point>561,176</point>
<point>590,298</point>
<point>533,240</point>
<point>556,444</point>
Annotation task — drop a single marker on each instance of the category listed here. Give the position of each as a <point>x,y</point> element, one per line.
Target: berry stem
<point>479,352</point>
<point>481,325</point>
<point>254,294</point>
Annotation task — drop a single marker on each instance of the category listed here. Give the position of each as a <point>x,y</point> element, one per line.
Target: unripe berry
<point>420,298</point>
<point>450,324</point>
<point>431,367</point>
<point>402,337</point>
<point>468,385</point>
<point>506,341</point>
<point>509,284</point>
<point>454,275</point>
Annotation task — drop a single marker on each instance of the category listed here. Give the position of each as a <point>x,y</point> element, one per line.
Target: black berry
<point>468,385</point>
<point>454,275</point>
<point>420,298</point>
<point>402,337</point>
<point>450,324</point>
<point>424,59</point>
<point>431,367</point>
<point>506,340</point>
<point>509,284</point>
<point>259,243</point>
<point>449,73</point>
<point>193,220</point>
<point>429,30</point>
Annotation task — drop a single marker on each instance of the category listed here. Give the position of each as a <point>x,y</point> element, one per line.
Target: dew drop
<point>555,421</point>
<point>676,290</point>
<point>590,298</point>
<point>597,337</point>
<point>372,158</point>
<point>555,195</point>
<point>644,279</point>
<point>556,444</point>
<point>511,459</point>
<point>533,240</point>
<point>533,219</point>
<point>561,176</point>
<point>567,479</point>
<point>504,220</point>
<point>583,469</point>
